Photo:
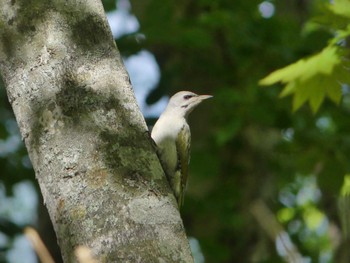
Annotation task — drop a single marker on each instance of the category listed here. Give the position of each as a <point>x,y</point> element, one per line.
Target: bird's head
<point>184,102</point>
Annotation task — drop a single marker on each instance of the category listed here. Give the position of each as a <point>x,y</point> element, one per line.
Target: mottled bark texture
<point>87,140</point>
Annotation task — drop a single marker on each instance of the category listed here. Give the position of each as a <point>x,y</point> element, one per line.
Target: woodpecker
<point>172,135</point>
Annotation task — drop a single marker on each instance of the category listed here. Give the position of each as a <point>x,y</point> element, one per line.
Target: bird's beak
<point>204,97</point>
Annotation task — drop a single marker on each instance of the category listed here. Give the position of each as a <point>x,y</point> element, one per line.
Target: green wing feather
<point>183,144</point>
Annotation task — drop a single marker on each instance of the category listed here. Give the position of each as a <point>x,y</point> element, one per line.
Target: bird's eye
<point>186,97</point>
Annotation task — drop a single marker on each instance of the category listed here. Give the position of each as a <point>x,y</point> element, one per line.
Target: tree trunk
<point>88,142</point>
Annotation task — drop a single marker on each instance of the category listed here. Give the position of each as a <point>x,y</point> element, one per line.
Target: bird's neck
<point>176,113</point>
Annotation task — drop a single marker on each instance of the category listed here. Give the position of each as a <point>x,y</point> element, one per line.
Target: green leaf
<point>317,91</point>
<point>341,7</point>
<point>341,35</point>
<point>345,189</point>
<point>300,97</point>
<point>286,214</point>
<point>288,89</point>
<point>303,69</point>
<point>313,218</point>
<point>313,79</point>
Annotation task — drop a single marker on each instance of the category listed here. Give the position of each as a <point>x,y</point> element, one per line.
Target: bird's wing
<point>183,144</point>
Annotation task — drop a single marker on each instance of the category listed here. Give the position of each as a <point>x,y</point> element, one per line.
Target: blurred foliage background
<point>268,176</point>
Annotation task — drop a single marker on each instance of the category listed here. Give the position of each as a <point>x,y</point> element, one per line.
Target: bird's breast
<point>165,133</point>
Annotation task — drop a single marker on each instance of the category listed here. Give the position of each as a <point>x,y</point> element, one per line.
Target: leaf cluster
<point>322,75</point>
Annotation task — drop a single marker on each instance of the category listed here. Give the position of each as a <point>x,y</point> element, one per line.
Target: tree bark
<point>88,142</point>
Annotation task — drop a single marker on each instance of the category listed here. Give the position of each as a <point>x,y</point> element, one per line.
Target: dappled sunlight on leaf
<point>313,218</point>
<point>340,7</point>
<point>345,190</point>
<point>314,78</point>
<point>285,214</point>
<point>311,79</point>
<point>321,63</point>
<point>302,215</point>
